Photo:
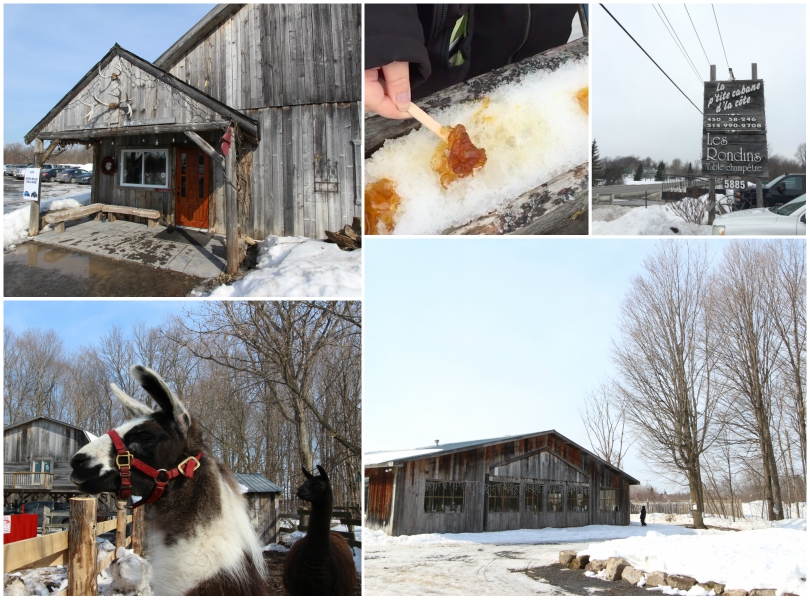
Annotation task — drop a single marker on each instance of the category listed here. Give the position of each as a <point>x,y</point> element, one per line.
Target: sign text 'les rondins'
<point>734,137</point>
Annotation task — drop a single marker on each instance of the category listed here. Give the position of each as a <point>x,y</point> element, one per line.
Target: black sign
<point>734,135</point>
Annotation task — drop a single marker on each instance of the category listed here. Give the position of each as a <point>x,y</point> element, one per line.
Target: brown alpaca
<point>320,563</point>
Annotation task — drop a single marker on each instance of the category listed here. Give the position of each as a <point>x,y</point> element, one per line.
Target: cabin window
<point>145,168</point>
<point>608,499</point>
<point>555,501</point>
<point>503,497</point>
<point>577,498</point>
<point>533,497</point>
<point>444,497</point>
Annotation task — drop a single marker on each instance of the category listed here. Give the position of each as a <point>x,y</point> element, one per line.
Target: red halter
<point>125,460</point>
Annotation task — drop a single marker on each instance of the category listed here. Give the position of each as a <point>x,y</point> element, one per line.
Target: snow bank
<point>299,266</point>
<point>15,223</point>
<point>760,558</point>
<point>654,220</point>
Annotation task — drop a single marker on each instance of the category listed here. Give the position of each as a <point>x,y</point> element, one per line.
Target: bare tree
<point>603,417</point>
<point>801,155</point>
<point>666,360</point>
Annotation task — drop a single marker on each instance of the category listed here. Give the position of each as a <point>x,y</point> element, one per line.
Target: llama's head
<point>316,488</point>
<point>162,439</point>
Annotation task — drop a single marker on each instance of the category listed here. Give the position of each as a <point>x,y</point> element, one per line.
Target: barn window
<point>533,497</point>
<point>503,497</point>
<point>145,168</point>
<point>577,498</point>
<point>555,502</point>
<point>608,499</point>
<point>444,497</point>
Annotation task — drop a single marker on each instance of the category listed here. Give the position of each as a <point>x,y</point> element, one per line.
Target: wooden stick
<point>428,121</point>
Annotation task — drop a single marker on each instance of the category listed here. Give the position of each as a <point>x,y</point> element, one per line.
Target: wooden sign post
<point>734,134</point>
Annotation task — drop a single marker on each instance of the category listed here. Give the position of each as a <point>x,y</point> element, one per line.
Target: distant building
<point>519,482</point>
<point>263,505</point>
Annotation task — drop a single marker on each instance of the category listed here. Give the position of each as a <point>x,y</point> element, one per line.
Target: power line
<point>681,43</point>
<point>698,37</point>
<point>721,38</point>
<point>677,42</point>
<point>650,57</point>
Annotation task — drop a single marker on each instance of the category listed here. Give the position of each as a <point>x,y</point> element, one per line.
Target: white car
<point>788,219</point>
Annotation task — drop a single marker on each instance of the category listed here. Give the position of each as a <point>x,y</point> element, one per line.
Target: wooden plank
<point>105,562</point>
<point>231,215</point>
<point>43,551</point>
<point>82,548</point>
<point>105,526</point>
<point>138,530</point>
<point>145,213</point>
<point>87,134</point>
<point>69,214</point>
<point>206,147</point>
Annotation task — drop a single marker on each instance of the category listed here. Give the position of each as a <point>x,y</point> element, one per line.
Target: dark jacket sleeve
<point>393,32</point>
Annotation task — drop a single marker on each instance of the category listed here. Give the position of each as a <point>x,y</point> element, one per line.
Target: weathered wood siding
<point>263,512</point>
<point>41,438</point>
<point>278,55</point>
<point>60,470</point>
<point>380,499</point>
<point>151,101</point>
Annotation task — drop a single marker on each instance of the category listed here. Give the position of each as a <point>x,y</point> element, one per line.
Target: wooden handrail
<point>27,480</point>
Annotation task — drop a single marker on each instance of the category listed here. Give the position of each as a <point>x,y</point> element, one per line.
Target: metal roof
<point>388,458</point>
<point>257,483</point>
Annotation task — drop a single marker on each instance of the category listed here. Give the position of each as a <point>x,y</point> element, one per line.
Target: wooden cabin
<point>263,505</point>
<point>519,482</point>
<point>37,457</point>
<point>280,81</point>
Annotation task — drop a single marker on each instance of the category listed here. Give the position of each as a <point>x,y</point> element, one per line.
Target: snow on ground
<point>299,266</point>
<point>628,180</point>
<point>654,220</point>
<point>15,222</point>
<point>774,557</point>
<point>491,563</point>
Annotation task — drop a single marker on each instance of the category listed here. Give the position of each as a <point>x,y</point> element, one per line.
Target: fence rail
<point>28,480</point>
<point>77,548</point>
<point>667,508</point>
<point>346,516</point>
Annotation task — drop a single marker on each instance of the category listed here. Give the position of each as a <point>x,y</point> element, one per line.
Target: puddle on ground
<point>38,270</point>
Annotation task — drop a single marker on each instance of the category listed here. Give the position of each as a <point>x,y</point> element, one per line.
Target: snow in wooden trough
<point>532,131</point>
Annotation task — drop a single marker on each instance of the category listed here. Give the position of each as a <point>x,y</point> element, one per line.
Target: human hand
<point>388,90</point>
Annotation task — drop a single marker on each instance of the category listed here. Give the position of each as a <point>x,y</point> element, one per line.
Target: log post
<point>82,548</point>
<point>760,200</point>
<point>231,213</point>
<point>138,530</point>
<point>121,525</point>
<point>712,198</point>
<point>33,217</point>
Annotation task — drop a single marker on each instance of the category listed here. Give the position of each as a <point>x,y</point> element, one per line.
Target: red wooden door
<point>192,182</point>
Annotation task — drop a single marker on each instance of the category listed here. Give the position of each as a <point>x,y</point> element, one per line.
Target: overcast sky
<point>48,48</point>
<point>636,110</point>
<point>468,339</point>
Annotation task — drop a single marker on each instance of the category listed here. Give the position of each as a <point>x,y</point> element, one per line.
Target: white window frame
<point>165,150</point>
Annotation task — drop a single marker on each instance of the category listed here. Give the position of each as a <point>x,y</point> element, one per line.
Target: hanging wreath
<point>108,165</point>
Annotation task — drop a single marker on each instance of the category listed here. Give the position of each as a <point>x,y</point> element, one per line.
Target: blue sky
<point>48,48</point>
<point>82,322</point>
<point>468,339</point>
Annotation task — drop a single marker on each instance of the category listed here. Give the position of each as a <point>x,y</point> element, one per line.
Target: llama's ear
<point>132,408</point>
<point>307,474</point>
<point>322,472</point>
<point>157,389</point>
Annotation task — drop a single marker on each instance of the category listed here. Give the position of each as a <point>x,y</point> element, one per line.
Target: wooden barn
<point>263,505</point>
<point>36,459</point>
<point>519,482</point>
<point>279,82</point>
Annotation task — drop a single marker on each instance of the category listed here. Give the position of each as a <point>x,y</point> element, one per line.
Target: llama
<point>201,541</point>
<point>320,563</point>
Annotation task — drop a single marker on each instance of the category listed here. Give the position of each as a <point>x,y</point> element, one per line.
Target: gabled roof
<point>90,436</point>
<point>391,458</point>
<point>206,25</point>
<point>250,126</point>
<point>257,483</point>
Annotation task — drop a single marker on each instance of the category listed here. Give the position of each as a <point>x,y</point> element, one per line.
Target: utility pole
<point>712,198</point>
<point>760,201</point>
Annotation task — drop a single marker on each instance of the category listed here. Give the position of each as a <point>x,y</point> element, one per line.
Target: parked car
<point>85,178</point>
<point>788,219</point>
<point>60,511</point>
<point>69,175</point>
<point>9,169</point>
<point>50,174</point>
<point>19,172</point>
<point>776,192</point>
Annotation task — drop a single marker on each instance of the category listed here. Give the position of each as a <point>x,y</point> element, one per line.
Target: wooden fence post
<point>82,548</point>
<point>121,525</point>
<point>138,530</point>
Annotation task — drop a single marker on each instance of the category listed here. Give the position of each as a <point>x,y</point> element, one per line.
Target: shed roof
<point>208,23</point>
<point>90,436</point>
<point>389,458</point>
<point>250,126</point>
<point>257,483</point>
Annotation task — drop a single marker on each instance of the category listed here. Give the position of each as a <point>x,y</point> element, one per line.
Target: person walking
<point>643,516</point>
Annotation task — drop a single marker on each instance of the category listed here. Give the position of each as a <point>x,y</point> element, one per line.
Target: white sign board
<point>6,524</point>
<point>31,186</point>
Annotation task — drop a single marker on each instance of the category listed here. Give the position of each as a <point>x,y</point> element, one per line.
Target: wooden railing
<point>77,547</point>
<point>344,515</point>
<point>28,480</point>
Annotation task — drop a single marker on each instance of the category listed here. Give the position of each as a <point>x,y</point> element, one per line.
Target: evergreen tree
<point>639,172</point>
<point>659,174</point>
<point>689,171</point>
<point>596,165</point>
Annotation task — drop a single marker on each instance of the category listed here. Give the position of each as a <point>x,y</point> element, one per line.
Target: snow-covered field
<point>299,266</point>
<point>755,556</point>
